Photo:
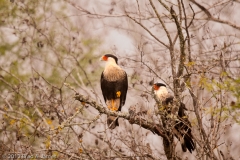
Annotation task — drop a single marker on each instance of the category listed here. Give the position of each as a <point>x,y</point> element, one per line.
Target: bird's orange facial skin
<point>155,87</point>
<point>104,58</point>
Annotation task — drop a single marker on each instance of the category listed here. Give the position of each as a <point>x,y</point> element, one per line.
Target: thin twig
<point>147,31</point>
<point>211,18</point>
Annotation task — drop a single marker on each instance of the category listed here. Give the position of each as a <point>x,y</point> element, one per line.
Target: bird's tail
<point>184,127</point>
<point>188,140</point>
<point>112,122</point>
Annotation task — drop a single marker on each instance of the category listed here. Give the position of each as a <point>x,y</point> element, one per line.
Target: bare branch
<point>147,31</point>
<point>211,18</point>
<point>204,135</point>
<point>163,25</point>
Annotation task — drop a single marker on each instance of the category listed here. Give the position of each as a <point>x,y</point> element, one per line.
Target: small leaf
<point>49,121</point>
<point>48,144</point>
<point>80,150</point>
<point>12,121</point>
<point>189,64</point>
<point>80,140</point>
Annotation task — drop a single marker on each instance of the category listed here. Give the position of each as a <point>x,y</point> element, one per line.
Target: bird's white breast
<point>113,72</point>
<point>162,93</point>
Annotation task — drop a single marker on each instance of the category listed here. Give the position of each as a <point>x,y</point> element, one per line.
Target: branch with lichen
<point>182,45</point>
<point>155,128</point>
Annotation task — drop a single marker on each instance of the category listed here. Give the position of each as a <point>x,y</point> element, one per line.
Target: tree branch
<point>204,135</point>
<point>155,128</point>
<point>145,28</point>
<point>163,25</point>
<point>182,43</point>
<point>211,18</point>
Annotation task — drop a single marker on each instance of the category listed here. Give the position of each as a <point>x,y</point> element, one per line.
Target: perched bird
<point>182,127</point>
<point>114,85</point>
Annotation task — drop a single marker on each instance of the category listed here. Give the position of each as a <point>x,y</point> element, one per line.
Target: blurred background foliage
<point>41,48</point>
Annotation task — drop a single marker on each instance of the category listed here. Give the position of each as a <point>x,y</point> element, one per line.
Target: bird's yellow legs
<point>112,106</point>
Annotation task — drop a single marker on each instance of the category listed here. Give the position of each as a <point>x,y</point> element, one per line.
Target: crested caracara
<point>182,127</point>
<point>114,85</point>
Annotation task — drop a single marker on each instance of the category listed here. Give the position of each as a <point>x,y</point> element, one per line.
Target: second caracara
<point>114,85</point>
<point>182,128</point>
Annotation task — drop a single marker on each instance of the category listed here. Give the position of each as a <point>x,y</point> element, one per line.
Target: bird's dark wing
<point>103,88</point>
<point>168,100</point>
<point>109,89</point>
<point>123,89</point>
<point>183,126</point>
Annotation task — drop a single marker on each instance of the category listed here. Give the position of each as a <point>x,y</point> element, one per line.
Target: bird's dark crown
<point>112,56</point>
<point>160,84</point>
